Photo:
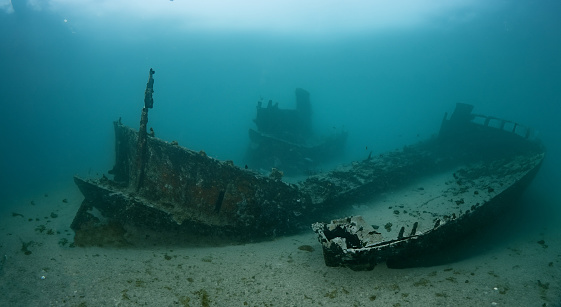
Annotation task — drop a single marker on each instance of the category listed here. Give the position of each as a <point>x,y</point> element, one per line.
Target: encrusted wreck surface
<point>162,190</point>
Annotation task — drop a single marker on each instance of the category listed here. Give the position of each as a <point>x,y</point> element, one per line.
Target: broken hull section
<point>354,243</point>
<point>496,165</point>
<point>186,192</point>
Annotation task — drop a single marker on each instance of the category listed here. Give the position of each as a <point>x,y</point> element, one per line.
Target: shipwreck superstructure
<point>160,189</point>
<point>285,139</point>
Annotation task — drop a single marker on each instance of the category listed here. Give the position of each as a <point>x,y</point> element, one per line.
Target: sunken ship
<point>386,207</point>
<point>285,140</point>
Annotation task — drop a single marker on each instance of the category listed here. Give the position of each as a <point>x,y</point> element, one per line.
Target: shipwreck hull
<point>354,243</point>
<point>165,192</point>
<point>175,191</point>
<point>183,191</point>
<point>180,192</point>
<point>489,168</point>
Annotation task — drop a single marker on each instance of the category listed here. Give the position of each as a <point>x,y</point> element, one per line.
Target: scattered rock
<point>388,227</point>
<point>542,243</point>
<point>306,248</point>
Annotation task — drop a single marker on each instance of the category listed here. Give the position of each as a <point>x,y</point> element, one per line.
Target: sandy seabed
<point>41,267</point>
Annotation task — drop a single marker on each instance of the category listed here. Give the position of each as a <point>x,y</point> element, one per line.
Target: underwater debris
<point>542,243</point>
<point>276,174</point>
<point>25,247</point>
<point>388,227</point>
<point>306,248</point>
<point>62,242</point>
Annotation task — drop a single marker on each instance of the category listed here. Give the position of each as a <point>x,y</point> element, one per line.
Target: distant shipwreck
<point>451,184</point>
<point>284,139</point>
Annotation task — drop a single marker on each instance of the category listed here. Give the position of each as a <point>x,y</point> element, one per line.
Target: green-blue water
<point>387,78</point>
<point>384,71</point>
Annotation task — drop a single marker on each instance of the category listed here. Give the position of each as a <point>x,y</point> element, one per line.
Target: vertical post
<point>142,148</point>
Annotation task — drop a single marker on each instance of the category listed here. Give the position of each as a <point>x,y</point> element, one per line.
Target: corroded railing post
<point>142,134</point>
